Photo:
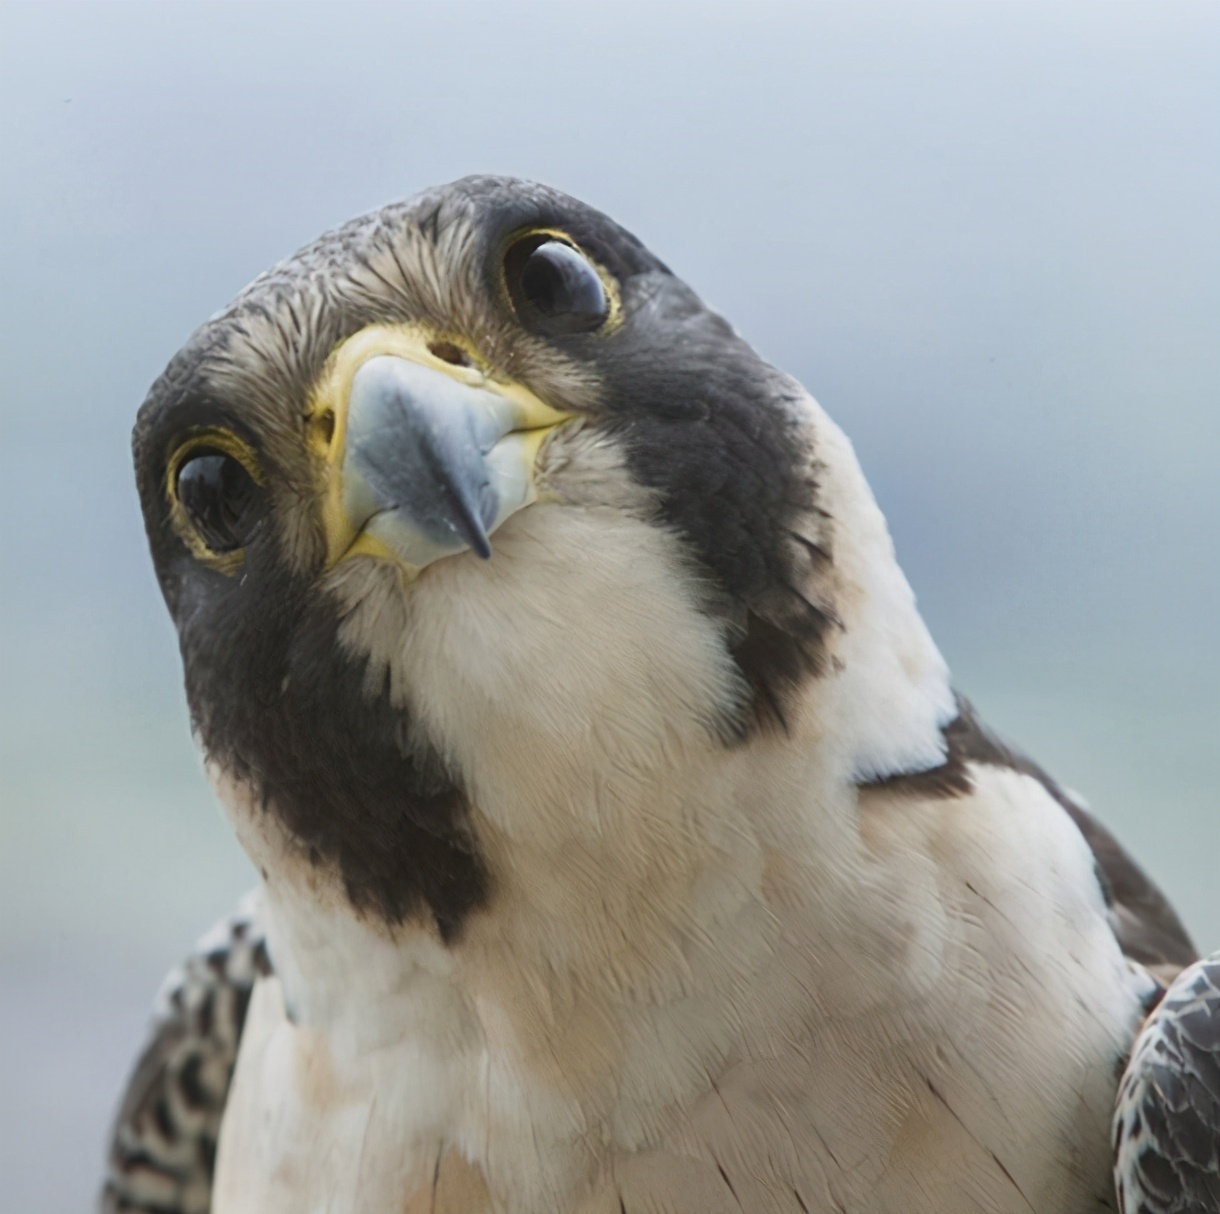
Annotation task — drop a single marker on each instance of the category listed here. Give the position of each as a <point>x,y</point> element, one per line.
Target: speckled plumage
<point>1167,1124</point>
<point>163,1145</point>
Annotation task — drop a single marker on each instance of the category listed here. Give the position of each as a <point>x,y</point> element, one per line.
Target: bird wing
<point>163,1143</point>
<point>1167,1122</point>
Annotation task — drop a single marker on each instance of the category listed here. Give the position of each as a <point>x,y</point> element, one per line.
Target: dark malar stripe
<point>282,705</point>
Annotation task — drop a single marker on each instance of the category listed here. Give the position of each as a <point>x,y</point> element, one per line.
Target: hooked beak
<point>425,458</point>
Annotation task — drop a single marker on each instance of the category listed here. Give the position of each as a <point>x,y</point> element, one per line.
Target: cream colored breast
<point>710,978</point>
<point>948,1046</point>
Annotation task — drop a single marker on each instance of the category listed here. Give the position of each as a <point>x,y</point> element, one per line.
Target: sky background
<point>984,235</point>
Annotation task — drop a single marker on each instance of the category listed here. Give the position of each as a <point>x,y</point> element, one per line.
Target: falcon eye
<point>220,498</point>
<point>554,288</point>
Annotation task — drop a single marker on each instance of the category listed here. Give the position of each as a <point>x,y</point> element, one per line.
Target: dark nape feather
<point>1146,924</point>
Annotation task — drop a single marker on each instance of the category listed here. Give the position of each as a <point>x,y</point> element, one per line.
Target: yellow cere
<point>328,405</point>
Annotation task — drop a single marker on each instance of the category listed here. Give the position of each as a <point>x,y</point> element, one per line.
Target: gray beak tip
<point>470,525</point>
<point>422,459</point>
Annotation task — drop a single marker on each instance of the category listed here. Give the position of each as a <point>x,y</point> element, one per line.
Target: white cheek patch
<point>591,618</point>
<point>581,647</point>
<point>884,709</point>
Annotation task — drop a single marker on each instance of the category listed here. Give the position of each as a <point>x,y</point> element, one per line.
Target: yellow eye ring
<point>222,442</point>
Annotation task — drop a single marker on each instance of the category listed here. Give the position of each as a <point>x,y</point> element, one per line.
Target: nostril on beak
<point>324,424</point>
<point>447,352</point>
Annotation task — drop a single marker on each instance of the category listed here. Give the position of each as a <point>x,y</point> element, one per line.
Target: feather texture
<point>1167,1123</point>
<point>163,1143</point>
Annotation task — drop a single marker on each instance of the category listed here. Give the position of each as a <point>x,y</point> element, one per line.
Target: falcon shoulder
<point>1167,1119</point>
<point>1146,926</point>
<point>163,1142</point>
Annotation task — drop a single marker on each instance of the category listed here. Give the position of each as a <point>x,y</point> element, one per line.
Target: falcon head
<point>487,541</point>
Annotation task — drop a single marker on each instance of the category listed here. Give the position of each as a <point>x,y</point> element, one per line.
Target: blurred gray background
<point>986,236</point>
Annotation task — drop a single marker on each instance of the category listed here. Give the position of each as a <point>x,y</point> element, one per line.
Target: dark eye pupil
<point>220,498</point>
<point>554,288</point>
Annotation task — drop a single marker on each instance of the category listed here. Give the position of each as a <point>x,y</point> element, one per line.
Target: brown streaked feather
<point>456,1186</point>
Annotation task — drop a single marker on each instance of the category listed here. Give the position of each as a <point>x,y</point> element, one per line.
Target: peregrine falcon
<point>624,846</point>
